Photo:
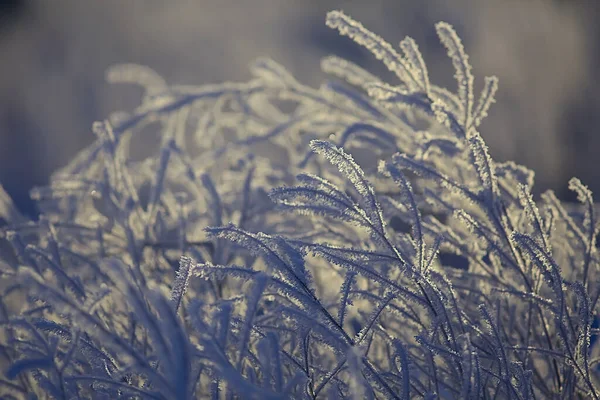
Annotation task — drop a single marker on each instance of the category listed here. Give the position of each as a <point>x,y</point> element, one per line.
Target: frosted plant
<point>355,241</point>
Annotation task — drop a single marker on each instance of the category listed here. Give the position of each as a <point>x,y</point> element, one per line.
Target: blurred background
<point>54,53</point>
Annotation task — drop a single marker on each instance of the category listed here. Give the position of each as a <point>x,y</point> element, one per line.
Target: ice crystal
<point>291,242</point>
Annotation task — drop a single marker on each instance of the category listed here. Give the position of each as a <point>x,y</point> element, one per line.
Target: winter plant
<point>351,241</point>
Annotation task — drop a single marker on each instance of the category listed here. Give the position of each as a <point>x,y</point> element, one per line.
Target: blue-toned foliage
<point>285,242</point>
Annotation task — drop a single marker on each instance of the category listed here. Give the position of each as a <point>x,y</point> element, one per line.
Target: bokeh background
<point>53,55</point>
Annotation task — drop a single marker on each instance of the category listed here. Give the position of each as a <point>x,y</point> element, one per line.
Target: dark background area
<point>54,54</point>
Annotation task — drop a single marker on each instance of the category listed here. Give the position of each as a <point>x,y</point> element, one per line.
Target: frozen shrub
<point>252,257</point>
